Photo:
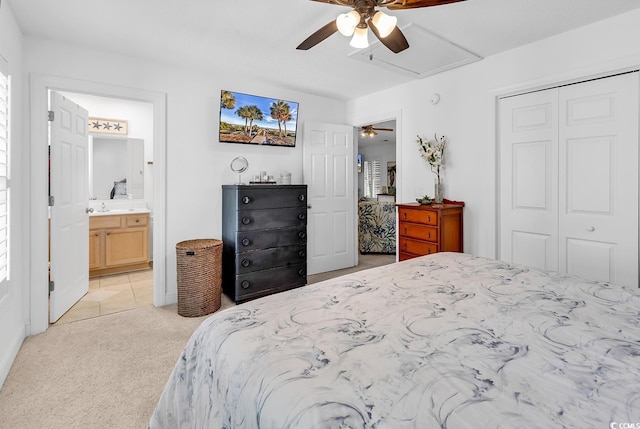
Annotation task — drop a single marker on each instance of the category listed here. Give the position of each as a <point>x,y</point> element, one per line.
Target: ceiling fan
<point>370,130</point>
<point>363,16</point>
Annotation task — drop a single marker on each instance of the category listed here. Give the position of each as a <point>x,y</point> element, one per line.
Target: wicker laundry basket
<point>199,276</point>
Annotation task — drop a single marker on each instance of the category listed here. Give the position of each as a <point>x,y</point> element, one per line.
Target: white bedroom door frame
<point>40,84</point>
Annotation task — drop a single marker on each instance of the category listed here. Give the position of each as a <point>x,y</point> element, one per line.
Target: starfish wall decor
<point>108,126</point>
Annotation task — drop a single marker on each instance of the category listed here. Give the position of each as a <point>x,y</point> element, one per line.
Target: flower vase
<point>438,191</point>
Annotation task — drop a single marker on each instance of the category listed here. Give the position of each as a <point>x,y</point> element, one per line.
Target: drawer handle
<point>405,246</point>
<point>246,221</point>
<point>428,251</point>
<point>302,234</point>
<point>301,197</point>
<point>246,263</point>
<point>301,272</point>
<point>404,215</point>
<point>246,242</point>
<point>246,200</point>
<point>108,233</point>
<point>429,234</point>
<point>302,253</point>
<point>137,220</point>
<point>302,216</point>
<point>405,231</point>
<point>428,218</point>
<point>96,234</point>
<point>245,284</point>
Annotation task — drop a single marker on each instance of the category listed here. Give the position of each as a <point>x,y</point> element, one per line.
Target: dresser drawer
<point>418,216</point>
<point>256,198</point>
<point>419,231</point>
<point>269,258</point>
<point>260,283</point>
<point>417,247</point>
<point>249,220</point>
<point>264,239</point>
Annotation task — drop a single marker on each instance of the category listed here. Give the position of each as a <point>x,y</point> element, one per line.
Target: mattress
<point>442,341</point>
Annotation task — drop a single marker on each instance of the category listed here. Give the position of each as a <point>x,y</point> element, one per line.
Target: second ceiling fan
<point>370,130</point>
<point>365,16</point>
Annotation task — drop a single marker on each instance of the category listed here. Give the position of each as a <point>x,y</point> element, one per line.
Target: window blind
<point>371,179</point>
<point>4,173</point>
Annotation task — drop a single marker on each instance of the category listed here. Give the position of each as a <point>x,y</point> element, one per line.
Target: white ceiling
<point>257,38</point>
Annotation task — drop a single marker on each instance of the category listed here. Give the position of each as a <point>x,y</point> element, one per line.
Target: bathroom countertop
<point>109,212</point>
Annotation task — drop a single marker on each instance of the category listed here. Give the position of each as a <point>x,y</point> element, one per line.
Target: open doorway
<point>40,85</point>
<point>120,201</point>
<point>377,188</point>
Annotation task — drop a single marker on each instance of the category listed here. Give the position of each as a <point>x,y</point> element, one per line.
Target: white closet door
<point>598,155</point>
<point>569,179</point>
<point>529,179</point>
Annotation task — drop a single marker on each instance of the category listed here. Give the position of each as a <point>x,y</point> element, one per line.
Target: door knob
<point>89,210</point>
<point>591,228</point>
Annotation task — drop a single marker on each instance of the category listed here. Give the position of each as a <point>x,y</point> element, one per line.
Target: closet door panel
<point>598,159</point>
<point>529,181</point>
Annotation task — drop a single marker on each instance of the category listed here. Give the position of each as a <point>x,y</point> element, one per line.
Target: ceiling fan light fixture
<point>347,22</point>
<point>384,23</point>
<point>360,38</point>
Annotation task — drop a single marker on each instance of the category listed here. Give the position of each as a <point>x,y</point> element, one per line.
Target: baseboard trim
<point>10,356</point>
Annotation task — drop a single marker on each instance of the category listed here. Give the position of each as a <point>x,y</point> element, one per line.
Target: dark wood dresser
<point>426,229</point>
<point>264,234</point>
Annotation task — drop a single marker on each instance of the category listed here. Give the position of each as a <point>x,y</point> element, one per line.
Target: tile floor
<point>120,292</point>
<point>111,294</point>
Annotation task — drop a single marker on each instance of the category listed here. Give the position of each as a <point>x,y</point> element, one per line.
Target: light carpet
<point>106,372</point>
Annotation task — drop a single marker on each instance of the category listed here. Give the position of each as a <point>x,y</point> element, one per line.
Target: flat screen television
<point>251,119</point>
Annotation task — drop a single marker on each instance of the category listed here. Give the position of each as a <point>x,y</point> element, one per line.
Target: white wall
<point>466,113</point>
<point>14,304</point>
<point>197,164</point>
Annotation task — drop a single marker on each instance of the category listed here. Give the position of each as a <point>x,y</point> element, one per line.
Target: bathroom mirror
<point>116,168</point>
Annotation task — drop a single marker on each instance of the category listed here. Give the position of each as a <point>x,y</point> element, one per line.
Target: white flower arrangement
<point>433,152</point>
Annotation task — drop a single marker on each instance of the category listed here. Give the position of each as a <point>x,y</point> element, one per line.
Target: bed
<point>441,341</point>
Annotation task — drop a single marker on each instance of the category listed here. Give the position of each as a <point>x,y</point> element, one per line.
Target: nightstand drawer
<point>417,247</point>
<point>418,216</point>
<point>421,232</point>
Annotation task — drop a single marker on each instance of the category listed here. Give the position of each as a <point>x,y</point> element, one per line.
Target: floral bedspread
<point>442,341</point>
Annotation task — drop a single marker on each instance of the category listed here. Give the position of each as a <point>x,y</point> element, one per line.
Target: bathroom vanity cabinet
<point>118,243</point>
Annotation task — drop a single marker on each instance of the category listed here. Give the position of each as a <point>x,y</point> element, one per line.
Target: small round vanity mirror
<point>239,165</point>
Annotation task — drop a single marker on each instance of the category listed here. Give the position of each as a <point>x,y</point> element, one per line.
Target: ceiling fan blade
<point>413,4</point>
<point>334,2</point>
<point>382,129</point>
<point>395,41</point>
<point>318,36</point>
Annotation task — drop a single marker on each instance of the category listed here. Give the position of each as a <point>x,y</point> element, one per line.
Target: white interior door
<point>569,179</point>
<point>598,217</point>
<point>69,227</point>
<point>529,179</point>
<point>329,171</point>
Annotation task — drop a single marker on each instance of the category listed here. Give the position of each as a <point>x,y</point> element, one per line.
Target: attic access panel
<point>428,54</point>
